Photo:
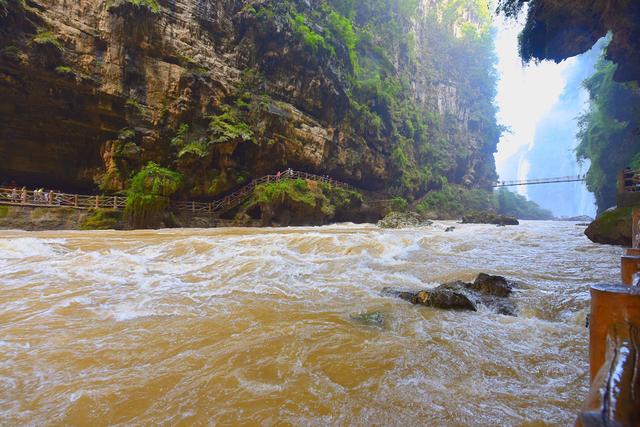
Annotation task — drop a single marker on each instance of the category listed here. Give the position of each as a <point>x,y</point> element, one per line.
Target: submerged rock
<point>489,218</point>
<point>487,290</point>
<point>371,318</point>
<point>579,218</point>
<point>404,220</point>
<point>449,229</point>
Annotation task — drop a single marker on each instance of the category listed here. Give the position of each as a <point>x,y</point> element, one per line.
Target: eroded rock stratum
<point>393,95</point>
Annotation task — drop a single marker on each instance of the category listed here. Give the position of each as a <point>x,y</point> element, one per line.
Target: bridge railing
<point>573,178</point>
<point>34,198</point>
<point>629,181</point>
<point>24,197</point>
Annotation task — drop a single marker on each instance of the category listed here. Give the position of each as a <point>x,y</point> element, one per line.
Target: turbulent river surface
<point>254,326</point>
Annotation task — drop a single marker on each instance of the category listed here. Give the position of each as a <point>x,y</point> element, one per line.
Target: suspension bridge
<point>558,180</point>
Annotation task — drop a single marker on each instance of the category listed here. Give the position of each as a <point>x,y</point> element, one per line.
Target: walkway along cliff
<point>219,212</point>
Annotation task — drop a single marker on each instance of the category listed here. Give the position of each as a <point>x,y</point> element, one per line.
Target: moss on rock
<point>613,227</point>
<point>102,219</point>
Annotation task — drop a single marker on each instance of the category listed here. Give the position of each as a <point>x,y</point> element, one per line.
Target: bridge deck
<point>576,178</point>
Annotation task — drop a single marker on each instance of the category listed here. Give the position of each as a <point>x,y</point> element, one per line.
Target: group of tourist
<point>288,173</point>
<point>39,196</point>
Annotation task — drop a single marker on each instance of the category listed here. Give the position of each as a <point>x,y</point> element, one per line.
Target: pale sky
<point>525,94</point>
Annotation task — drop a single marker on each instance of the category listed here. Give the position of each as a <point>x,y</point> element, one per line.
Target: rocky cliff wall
<point>224,91</point>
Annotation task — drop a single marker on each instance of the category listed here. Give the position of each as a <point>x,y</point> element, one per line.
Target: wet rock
<point>489,218</point>
<point>613,227</point>
<point>371,318</point>
<point>449,229</point>
<point>404,294</point>
<point>445,298</point>
<point>491,285</point>
<point>490,291</point>
<point>580,218</point>
<point>404,220</point>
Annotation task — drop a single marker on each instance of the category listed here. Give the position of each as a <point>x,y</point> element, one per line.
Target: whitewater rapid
<point>254,326</point>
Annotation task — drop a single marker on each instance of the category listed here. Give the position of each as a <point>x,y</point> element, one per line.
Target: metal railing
<point>37,198</point>
<point>629,181</point>
<point>574,178</point>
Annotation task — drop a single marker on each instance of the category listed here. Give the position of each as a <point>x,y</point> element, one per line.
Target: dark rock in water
<point>449,229</point>
<point>491,285</point>
<point>488,218</point>
<point>490,291</point>
<point>404,294</point>
<point>580,218</point>
<point>371,318</point>
<point>404,220</point>
<point>445,298</point>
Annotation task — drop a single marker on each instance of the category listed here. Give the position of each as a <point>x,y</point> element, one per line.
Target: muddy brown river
<point>254,327</point>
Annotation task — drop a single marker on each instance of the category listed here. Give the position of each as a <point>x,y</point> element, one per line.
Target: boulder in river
<point>612,227</point>
<point>488,218</point>
<point>487,290</point>
<point>404,220</point>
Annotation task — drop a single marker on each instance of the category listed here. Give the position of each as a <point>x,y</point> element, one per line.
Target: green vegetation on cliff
<point>454,201</point>
<point>148,195</point>
<point>150,5</point>
<point>300,201</point>
<point>513,204</point>
<point>609,132</point>
<point>101,219</point>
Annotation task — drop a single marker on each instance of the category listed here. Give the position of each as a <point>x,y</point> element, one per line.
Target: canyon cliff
<point>393,96</point>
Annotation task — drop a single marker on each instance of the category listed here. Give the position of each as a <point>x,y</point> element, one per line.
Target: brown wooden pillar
<point>630,266</point>
<point>635,236</point>
<point>621,182</point>
<point>610,304</point>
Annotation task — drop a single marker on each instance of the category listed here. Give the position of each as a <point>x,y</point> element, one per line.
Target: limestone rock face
<point>92,90</point>
<point>559,29</point>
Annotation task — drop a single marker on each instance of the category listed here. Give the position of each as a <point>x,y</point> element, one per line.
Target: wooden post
<point>97,202</point>
<point>614,399</point>
<point>630,265</point>
<point>635,236</point>
<point>75,200</point>
<point>193,206</point>
<point>610,304</point>
<point>115,202</point>
<point>621,182</point>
